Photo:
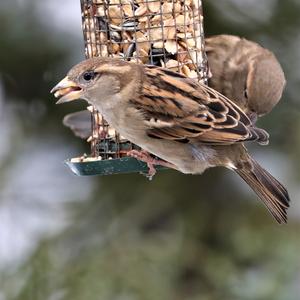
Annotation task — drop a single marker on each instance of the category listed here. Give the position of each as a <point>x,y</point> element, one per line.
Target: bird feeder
<point>157,32</point>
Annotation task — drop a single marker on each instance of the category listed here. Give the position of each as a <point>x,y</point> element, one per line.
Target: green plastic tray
<point>109,167</point>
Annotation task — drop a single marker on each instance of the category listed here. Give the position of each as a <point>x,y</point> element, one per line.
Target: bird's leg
<point>146,157</point>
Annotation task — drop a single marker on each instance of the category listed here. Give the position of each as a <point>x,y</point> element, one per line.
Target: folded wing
<point>181,109</point>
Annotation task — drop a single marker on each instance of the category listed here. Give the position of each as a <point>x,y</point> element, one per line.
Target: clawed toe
<point>146,157</point>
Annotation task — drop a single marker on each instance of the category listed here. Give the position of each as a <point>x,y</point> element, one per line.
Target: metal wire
<point>167,33</point>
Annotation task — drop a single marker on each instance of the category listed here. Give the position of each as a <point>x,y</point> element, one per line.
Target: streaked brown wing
<point>178,108</point>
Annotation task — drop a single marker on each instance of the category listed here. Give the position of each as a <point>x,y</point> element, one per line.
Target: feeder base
<point>110,166</point>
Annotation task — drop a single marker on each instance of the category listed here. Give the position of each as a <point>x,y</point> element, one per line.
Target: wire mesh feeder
<point>158,32</point>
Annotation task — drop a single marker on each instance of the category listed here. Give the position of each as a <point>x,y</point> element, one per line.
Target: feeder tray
<point>158,32</point>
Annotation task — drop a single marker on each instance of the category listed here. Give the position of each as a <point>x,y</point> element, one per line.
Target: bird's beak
<point>66,90</point>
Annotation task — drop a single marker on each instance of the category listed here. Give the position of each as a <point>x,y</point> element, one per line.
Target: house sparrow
<point>245,72</point>
<point>187,125</point>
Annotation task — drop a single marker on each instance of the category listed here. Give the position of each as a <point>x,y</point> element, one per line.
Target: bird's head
<point>95,80</point>
<point>265,83</point>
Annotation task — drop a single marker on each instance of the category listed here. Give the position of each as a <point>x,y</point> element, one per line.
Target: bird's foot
<point>151,162</point>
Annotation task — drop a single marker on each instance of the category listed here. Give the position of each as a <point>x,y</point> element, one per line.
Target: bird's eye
<point>246,93</point>
<point>88,76</point>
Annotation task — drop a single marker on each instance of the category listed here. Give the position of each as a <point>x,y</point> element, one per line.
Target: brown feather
<point>269,190</point>
<point>194,111</point>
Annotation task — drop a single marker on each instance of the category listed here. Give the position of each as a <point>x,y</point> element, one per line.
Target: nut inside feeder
<point>162,33</point>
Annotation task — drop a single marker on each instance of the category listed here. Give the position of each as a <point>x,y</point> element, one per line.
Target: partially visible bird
<point>80,123</point>
<point>245,72</point>
<point>186,124</point>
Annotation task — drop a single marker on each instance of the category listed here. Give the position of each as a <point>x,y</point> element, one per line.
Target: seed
<point>154,7</point>
<point>185,70</point>
<point>171,46</point>
<point>140,11</point>
<point>158,45</point>
<point>155,34</point>
<point>127,9</point>
<point>115,15</point>
<point>172,64</point>
<point>193,74</point>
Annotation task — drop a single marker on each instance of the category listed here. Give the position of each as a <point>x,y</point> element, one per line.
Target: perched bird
<point>245,72</point>
<point>187,125</point>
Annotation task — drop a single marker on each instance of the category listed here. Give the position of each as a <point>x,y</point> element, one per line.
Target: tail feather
<point>259,135</point>
<point>273,194</point>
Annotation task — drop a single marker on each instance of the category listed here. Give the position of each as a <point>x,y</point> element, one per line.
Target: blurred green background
<point>124,237</point>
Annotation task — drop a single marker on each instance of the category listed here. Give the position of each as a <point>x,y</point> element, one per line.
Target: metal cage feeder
<point>167,33</point>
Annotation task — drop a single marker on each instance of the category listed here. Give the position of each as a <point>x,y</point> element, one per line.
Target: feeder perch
<point>158,32</point>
